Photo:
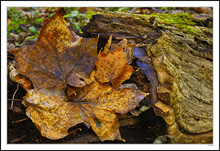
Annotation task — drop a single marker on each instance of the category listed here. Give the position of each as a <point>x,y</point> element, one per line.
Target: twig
<point>11,57</point>
<point>14,96</point>
<point>21,120</point>
<point>18,139</point>
<point>73,131</point>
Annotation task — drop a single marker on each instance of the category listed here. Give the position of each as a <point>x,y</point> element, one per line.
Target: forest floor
<point>24,22</point>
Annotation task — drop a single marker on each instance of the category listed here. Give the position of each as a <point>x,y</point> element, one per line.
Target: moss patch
<point>180,20</point>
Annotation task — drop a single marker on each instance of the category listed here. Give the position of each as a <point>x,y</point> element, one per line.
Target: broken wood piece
<point>129,121</point>
<point>166,112</point>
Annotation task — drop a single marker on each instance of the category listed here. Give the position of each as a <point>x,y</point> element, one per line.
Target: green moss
<point>90,14</point>
<point>210,24</point>
<point>30,38</point>
<point>180,20</point>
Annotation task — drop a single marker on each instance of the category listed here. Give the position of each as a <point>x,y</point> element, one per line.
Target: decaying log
<point>180,47</point>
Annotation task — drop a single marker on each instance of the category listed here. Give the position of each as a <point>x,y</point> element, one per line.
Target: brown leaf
<point>101,102</point>
<point>51,113</point>
<point>113,67</point>
<point>108,45</point>
<point>95,105</point>
<point>105,130</point>
<point>59,60</point>
<point>54,59</point>
<point>128,49</point>
<point>122,43</point>
<point>74,36</point>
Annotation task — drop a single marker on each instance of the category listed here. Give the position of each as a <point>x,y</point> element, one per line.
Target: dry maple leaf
<point>54,59</point>
<point>113,67</point>
<point>60,58</point>
<point>96,105</point>
<point>52,114</point>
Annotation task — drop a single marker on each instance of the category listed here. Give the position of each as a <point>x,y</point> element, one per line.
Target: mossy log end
<point>180,47</point>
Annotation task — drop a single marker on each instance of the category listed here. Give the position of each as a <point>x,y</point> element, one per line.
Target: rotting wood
<point>182,55</point>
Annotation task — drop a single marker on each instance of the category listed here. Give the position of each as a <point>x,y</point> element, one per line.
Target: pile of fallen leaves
<point>68,83</point>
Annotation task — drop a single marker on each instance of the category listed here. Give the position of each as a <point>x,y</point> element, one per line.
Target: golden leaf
<point>113,67</point>
<point>52,113</point>
<point>101,102</point>
<point>95,105</point>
